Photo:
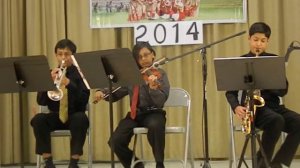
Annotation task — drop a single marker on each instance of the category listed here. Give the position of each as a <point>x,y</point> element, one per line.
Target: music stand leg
<point>253,136</point>
<point>206,164</point>
<point>253,150</point>
<point>111,118</point>
<point>204,76</point>
<point>242,157</point>
<point>21,130</point>
<point>111,132</point>
<point>263,153</point>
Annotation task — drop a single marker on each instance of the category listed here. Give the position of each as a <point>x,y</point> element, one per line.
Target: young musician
<point>152,95</point>
<point>75,119</point>
<point>272,118</point>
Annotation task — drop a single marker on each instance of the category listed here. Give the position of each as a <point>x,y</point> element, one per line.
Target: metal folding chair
<point>232,129</point>
<point>178,98</point>
<point>67,133</point>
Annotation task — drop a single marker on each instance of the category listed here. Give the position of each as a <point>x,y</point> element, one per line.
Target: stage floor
<point>198,164</point>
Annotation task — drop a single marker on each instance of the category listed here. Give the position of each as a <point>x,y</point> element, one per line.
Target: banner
<point>126,13</point>
<point>170,33</point>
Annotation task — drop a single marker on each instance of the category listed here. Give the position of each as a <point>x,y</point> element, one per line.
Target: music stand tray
<point>97,65</point>
<point>25,74</point>
<point>34,74</point>
<point>7,71</point>
<point>245,73</point>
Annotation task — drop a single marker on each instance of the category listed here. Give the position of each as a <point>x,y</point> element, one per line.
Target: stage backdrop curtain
<point>32,27</point>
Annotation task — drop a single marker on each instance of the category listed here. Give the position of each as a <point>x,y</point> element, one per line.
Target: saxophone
<point>258,101</point>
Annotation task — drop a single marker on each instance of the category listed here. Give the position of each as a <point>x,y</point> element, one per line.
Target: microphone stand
<point>290,49</point>
<point>166,59</point>
<point>204,74</point>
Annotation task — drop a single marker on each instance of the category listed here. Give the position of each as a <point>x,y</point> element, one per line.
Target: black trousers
<point>155,121</point>
<point>44,123</point>
<point>273,122</point>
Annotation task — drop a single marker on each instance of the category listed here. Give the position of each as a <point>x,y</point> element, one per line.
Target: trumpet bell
<point>56,95</point>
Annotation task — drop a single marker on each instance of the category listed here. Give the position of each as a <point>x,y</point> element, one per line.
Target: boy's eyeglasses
<point>145,55</point>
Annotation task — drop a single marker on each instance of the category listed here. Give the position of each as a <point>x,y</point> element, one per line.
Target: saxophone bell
<point>258,101</point>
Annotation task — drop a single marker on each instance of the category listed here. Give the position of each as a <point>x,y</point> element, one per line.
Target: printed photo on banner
<point>126,13</point>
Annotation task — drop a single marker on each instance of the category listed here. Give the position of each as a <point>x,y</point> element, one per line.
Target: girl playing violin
<point>149,99</point>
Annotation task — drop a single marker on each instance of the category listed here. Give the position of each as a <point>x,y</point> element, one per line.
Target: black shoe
<point>261,161</point>
<point>160,165</point>
<point>139,165</point>
<point>73,166</point>
<point>49,163</point>
<point>73,163</point>
<point>49,166</point>
<point>276,165</point>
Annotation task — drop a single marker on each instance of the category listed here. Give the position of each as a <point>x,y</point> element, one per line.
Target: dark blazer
<point>78,94</point>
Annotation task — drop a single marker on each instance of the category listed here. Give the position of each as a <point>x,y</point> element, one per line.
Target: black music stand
<point>24,74</point>
<point>249,74</point>
<point>108,69</point>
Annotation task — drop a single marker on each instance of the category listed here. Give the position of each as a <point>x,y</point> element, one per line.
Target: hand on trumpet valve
<point>55,73</point>
<point>59,78</point>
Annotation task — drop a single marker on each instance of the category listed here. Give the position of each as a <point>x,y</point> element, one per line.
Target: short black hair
<point>260,27</point>
<point>138,46</point>
<point>65,43</point>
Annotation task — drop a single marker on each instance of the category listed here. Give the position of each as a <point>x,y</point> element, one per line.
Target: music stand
<point>249,74</point>
<point>109,68</point>
<point>24,74</point>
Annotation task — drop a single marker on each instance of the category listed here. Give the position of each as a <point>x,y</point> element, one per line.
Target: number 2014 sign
<point>170,33</point>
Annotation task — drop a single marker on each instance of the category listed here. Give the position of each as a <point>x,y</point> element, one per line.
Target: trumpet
<point>57,94</point>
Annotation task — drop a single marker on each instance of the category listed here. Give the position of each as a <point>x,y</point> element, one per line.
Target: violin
<point>152,70</point>
<point>146,73</point>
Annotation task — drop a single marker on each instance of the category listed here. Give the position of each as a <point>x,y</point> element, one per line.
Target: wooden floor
<point>198,164</point>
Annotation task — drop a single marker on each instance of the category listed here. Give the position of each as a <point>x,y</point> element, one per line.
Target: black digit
<point>195,32</point>
<point>143,33</point>
<point>177,33</point>
<point>164,31</point>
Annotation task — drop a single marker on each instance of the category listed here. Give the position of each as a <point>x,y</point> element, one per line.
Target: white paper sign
<point>170,33</point>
